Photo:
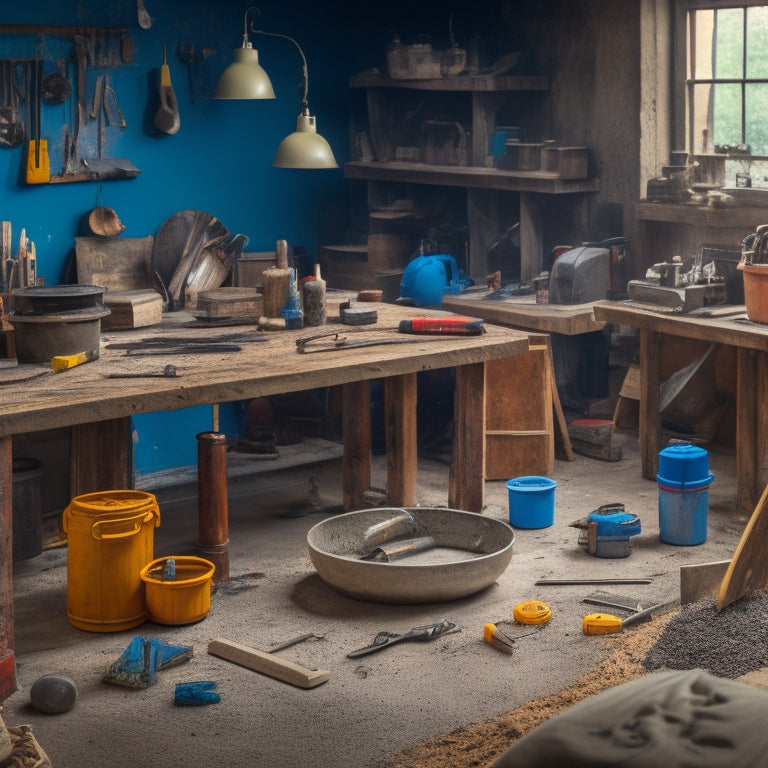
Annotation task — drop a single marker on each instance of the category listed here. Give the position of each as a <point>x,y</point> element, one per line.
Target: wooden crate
<point>519,419</point>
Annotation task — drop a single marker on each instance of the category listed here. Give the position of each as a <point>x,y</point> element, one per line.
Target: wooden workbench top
<point>32,397</point>
<point>523,312</point>
<point>727,324</point>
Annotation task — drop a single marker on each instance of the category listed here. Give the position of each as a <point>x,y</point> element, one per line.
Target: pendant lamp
<point>245,78</point>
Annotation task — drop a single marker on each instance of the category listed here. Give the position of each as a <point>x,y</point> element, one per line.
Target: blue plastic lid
<point>684,463</point>
<point>530,483</point>
<point>684,485</point>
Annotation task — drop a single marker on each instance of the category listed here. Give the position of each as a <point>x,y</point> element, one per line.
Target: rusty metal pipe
<point>212,506</point>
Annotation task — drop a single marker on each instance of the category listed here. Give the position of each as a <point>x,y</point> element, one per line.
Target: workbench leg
<point>401,439</point>
<point>751,426</point>
<point>649,432</point>
<point>7,657</point>
<point>101,456</point>
<point>356,434</point>
<point>212,505</point>
<point>466,482</point>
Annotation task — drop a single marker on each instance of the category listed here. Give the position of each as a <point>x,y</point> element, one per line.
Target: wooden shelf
<point>702,215</point>
<point>469,176</point>
<point>469,83</point>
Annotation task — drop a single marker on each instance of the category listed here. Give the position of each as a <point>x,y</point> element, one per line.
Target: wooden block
<point>229,302</point>
<point>118,264</point>
<point>249,269</point>
<point>268,664</point>
<point>132,309</point>
<point>566,162</point>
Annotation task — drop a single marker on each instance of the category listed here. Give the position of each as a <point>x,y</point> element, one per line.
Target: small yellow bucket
<point>110,537</point>
<point>184,600</point>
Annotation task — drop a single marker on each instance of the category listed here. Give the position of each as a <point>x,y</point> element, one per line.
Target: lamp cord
<point>304,71</point>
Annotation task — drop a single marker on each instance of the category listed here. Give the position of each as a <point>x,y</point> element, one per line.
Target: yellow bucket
<point>110,535</point>
<point>184,600</point>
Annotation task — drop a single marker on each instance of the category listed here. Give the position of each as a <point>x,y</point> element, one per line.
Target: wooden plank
<point>468,176</point>
<point>468,462</point>
<point>748,571</point>
<point>519,417</point>
<point>400,437</point>
<point>563,447</point>
<point>268,664</point>
<point>523,312</point>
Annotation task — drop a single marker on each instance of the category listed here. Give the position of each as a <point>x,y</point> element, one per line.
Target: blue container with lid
<point>683,479</point>
<point>531,502</point>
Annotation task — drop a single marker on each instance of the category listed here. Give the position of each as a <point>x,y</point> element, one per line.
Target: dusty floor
<point>374,707</point>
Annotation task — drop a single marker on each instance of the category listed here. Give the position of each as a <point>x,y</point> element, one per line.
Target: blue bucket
<point>683,480</point>
<point>531,502</point>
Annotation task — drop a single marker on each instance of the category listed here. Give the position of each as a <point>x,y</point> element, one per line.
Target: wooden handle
<point>281,254</point>
<point>268,664</point>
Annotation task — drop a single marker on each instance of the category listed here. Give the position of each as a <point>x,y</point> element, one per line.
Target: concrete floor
<point>374,706</point>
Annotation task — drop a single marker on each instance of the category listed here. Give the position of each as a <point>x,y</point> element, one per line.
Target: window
<point>727,78</point>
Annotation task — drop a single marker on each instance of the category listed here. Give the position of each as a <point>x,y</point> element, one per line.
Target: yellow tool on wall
<point>38,164</point>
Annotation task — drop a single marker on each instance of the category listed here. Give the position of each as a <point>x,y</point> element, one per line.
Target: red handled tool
<point>447,325</point>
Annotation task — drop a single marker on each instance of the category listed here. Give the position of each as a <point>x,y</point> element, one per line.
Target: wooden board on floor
<point>748,571</point>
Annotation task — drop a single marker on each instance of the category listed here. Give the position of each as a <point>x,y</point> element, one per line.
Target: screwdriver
<point>449,324</point>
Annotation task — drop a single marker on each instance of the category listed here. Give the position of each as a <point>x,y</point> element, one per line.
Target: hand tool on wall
<point>145,20</point>
<point>38,165</point>
<point>385,639</point>
<point>167,117</point>
<point>12,130</point>
<point>268,663</point>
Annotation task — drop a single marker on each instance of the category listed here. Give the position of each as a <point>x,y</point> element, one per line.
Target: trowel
<point>167,117</point>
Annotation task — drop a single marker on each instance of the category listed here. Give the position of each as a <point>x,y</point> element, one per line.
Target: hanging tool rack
<point>80,152</point>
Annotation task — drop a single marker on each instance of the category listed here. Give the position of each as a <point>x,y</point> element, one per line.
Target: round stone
<point>53,694</point>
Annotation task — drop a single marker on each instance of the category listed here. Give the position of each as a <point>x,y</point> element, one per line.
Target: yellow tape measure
<point>601,624</point>
<point>532,612</point>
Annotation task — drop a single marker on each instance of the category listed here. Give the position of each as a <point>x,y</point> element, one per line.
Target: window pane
<point>704,22</point>
<point>757,42</point>
<point>757,118</point>
<point>701,138</point>
<point>726,114</point>
<point>729,43</point>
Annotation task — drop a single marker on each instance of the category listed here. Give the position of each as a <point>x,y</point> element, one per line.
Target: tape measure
<point>601,624</point>
<point>532,612</point>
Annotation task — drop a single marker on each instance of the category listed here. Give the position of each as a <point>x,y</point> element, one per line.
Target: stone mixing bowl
<point>471,551</point>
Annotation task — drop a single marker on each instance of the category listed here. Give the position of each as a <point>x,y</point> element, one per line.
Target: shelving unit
<point>395,107</point>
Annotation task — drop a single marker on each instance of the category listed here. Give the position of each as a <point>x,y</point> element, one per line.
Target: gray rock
<point>53,694</point>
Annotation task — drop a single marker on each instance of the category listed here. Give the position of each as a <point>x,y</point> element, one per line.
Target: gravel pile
<point>727,644</point>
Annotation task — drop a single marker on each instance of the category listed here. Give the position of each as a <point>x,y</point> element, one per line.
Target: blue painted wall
<point>219,162</point>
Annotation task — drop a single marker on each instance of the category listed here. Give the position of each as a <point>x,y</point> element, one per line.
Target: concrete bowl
<point>471,551</point>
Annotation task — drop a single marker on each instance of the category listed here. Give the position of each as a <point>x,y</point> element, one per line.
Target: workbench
<point>722,325</point>
<point>524,312</point>
<point>267,363</point>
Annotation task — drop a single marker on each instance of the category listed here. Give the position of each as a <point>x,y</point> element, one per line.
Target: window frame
<point>681,86</point>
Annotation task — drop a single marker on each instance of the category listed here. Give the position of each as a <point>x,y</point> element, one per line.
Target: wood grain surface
<point>34,398</point>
